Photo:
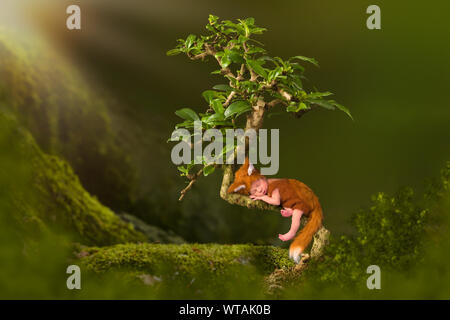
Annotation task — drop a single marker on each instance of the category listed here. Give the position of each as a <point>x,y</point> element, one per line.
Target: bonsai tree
<point>255,85</point>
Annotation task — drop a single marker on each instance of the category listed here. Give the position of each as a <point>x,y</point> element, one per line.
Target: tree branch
<point>209,51</point>
<point>256,117</point>
<point>285,95</point>
<point>230,96</point>
<point>198,56</point>
<point>274,102</point>
<point>240,76</point>
<point>191,183</point>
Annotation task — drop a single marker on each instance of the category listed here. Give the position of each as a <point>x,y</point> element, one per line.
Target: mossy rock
<point>189,259</point>
<point>43,190</point>
<point>189,270</point>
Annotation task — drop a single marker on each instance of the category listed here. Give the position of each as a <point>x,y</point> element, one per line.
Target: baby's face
<point>259,187</point>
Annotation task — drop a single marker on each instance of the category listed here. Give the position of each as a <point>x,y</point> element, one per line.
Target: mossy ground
<point>189,259</point>
<point>190,270</point>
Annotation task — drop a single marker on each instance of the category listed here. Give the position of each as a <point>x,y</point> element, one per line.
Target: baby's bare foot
<point>285,237</point>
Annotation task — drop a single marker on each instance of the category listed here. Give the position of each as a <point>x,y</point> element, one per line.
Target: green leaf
<point>256,66</point>
<point>267,58</point>
<point>246,29</point>
<point>213,117</point>
<point>296,107</point>
<point>342,108</point>
<point>183,169</point>
<point>190,40</point>
<point>209,95</point>
<point>233,27</point>
<point>296,81</point>
<point>330,105</point>
<point>322,103</point>
<point>242,112</point>
<point>258,30</point>
<point>314,95</point>
<point>223,87</point>
<point>292,107</point>
<point>217,106</point>
<point>296,66</point>
<point>273,74</point>
<point>235,56</point>
<point>310,60</point>
<point>225,61</point>
<point>213,19</point>
<point>249,21</point>
<point>207,170</point>
<point>256,41</point>
<point>173,52</point>
<point>185,124</point>
<point>187,114</point>
<point>302,106</point>
<point>237,107</point>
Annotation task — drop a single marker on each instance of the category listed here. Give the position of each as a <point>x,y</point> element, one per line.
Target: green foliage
<point>392,229</point>
<point>393,233</point>
<point>252,75</point>
<point>389,234</point>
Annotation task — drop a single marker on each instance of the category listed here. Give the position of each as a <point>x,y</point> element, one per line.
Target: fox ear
<point>235,187</point>
<point>251,168</point>
<point>242,186</point>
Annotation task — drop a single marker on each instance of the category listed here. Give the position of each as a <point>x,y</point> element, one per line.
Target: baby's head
<point>259,187</point>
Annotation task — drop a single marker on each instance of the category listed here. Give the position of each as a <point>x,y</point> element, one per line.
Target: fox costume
<point>295,197</point>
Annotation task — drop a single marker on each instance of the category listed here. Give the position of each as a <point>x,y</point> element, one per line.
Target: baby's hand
<point>252,196</point>
<point>287,212</point>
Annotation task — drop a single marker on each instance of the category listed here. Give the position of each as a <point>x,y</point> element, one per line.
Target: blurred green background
<point>104,98</point>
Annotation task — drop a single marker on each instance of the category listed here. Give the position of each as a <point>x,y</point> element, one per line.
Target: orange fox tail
<point>305,236</point>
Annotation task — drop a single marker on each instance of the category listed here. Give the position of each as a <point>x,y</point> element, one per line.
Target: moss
<point>196,269</point>
<point>64,202</point>
<point>52,195</point>
<point>189,259</point>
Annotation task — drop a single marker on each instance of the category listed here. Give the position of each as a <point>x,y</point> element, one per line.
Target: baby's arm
<point>295,224</point>
<point>275,199</point>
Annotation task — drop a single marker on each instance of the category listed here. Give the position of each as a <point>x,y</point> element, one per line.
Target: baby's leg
<point>295,224</point>
<point>286,212</point>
